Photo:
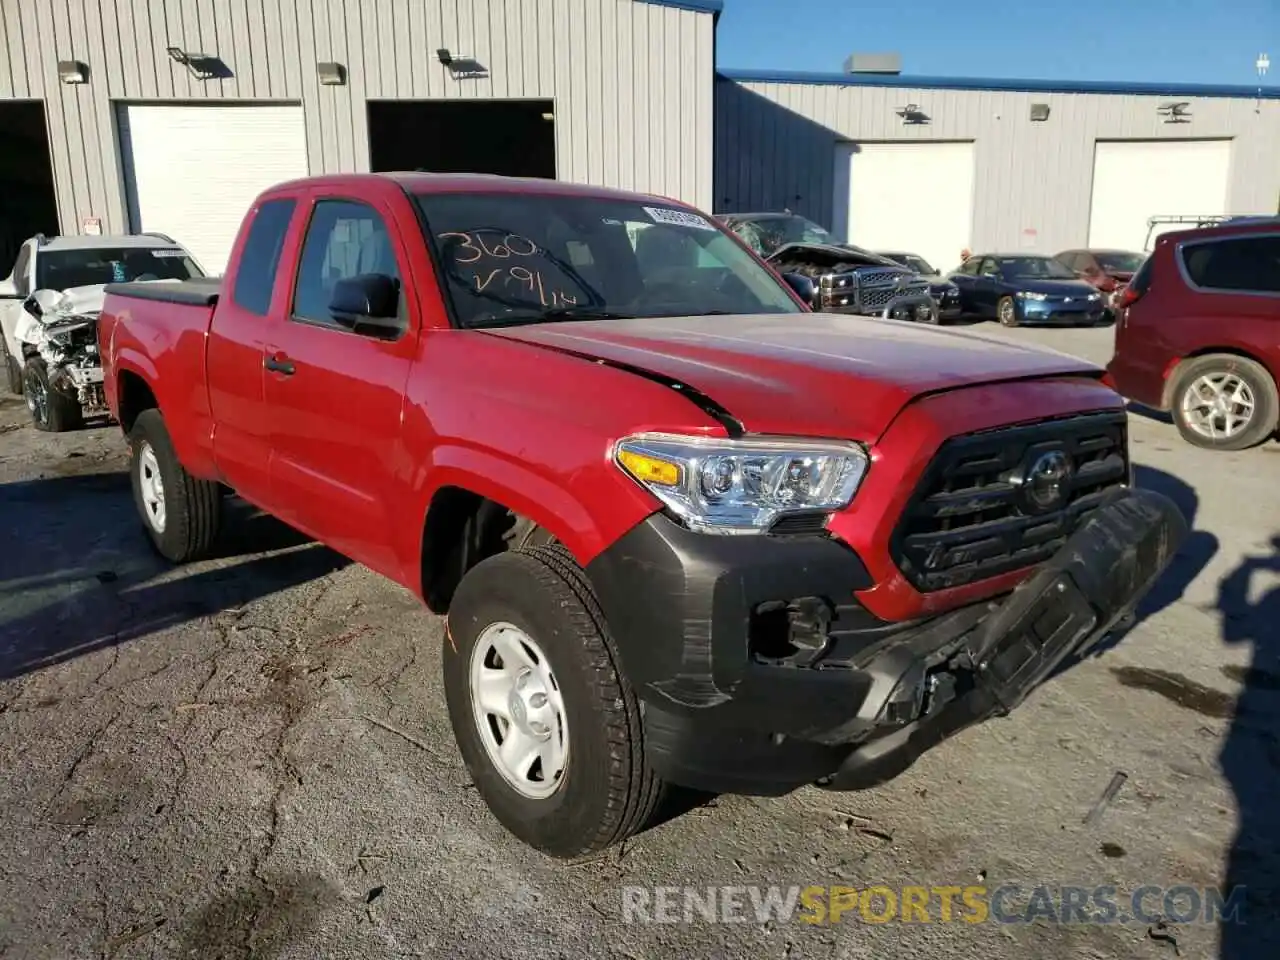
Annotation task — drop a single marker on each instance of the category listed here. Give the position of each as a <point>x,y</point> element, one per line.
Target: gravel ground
<point>251,757</point>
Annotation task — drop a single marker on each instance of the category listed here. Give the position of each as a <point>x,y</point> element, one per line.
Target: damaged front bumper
<point>759,672</point>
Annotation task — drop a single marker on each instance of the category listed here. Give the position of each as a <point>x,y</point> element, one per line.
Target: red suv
<point>1198,333</point>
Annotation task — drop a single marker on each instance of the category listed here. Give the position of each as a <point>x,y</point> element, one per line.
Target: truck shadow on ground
<point>83,576</point>
<point>1196,552</point>
<point>1250,757</point>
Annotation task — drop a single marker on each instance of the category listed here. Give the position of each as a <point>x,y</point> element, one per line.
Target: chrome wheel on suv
<point>1224,402</point>
<point>1218,406</point>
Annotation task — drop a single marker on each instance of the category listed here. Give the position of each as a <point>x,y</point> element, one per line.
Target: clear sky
<point>1186,41</point>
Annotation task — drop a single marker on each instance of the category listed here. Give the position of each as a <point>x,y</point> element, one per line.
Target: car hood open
<point>808,373</point>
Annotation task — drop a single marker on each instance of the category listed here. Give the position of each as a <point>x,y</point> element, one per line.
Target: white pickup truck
<point>49,307</point>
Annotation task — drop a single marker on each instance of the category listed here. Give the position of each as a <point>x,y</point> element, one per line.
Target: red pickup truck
<point>685,531</point>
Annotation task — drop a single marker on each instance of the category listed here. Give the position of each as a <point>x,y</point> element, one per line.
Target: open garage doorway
<point>516,138</point>
<point>28,204</point>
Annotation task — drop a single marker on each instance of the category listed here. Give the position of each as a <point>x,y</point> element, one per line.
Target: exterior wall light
<point>331,74</point>
<point>73,71</point>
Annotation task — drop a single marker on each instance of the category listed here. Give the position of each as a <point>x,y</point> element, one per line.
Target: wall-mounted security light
<point>73,71</point>
<point>461,68</point>
<point>1175,112</point>
<point>331,74</point>
<point>1039,112</point>
<point>912,115</point>
<point>199,65</point>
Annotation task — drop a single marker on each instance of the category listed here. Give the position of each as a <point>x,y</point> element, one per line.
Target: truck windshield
<point>64,269</point>
<point>513,258</point>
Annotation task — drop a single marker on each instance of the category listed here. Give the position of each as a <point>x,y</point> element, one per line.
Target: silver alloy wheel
<point>519,711</point>
<point>37,398</point>
<point>151,486</point>
<point>1218,406</point>
<point>1006,312</point>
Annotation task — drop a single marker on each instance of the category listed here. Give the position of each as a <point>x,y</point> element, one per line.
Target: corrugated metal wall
<point>632,81</point>
<point>775,148</point>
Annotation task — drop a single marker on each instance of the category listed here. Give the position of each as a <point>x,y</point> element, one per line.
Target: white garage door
<point>912,197</point>
<point>1134,180</point>
<point>192,171</point>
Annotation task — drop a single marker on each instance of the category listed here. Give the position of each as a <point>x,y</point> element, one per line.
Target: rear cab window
<point>1244,264</point>
<point>260,258</point>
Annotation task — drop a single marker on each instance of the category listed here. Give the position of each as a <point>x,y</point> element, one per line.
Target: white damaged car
<point>49,308</point>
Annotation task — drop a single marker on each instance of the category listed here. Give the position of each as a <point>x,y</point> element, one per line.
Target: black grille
<point>972,517</point>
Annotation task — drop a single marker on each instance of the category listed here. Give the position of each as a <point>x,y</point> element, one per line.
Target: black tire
<point>12,369</point>
<point>1007,312</point>
<point>1266,409</point>
<point>52,410</point>
<point>192,508</point>
<point>608,792</point>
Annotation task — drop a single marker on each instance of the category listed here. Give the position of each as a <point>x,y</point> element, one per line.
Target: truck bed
<point>196,293</point>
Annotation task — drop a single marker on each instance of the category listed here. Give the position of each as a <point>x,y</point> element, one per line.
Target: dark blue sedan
<point>1029,289</point>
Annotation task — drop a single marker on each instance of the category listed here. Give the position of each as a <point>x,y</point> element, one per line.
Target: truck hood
<point>803,374</point>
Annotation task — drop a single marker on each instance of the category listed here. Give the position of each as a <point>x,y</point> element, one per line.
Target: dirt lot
<point>251,757</point>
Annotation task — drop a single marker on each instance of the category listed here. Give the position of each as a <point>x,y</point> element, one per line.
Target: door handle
<point>279,363</point>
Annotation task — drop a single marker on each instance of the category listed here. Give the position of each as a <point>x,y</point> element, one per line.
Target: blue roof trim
<point>1024,86</point>
<point>698,6</point>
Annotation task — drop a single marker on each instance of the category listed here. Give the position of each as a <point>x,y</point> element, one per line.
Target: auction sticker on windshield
<point>678,218</point>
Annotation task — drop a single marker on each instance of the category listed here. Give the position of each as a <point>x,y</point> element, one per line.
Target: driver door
<point>987,287</point>
<point>336,395</point>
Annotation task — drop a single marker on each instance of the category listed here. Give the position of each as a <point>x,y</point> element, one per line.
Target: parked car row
<point>634,470</point>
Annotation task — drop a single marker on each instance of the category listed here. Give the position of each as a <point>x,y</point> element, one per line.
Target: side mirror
<point>369,300</point>
<point>32,306</point>
<point>802,285</point>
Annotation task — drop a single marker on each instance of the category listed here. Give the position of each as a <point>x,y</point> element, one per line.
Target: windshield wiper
<point>555,315</point>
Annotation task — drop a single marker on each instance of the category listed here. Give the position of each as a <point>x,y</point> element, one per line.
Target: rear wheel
<point>180,513</point>
<point>51,409</point>
<point>1225,402</point>
<point>543,715</point>
<point>1006,312</point>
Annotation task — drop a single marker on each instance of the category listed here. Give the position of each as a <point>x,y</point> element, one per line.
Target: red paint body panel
<point>1174,320</point>
<point>354,445</point>
<point>820,375</point>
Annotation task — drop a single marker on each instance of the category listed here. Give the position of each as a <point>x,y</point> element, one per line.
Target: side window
<point>1073,261</point>
<point>990,268</point>
<point>1241,263</point>
<point>344,239</point>
<point>256,273</point>
<point>970,267</point>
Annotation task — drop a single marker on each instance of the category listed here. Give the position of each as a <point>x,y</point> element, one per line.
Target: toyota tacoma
<point>684,530</point>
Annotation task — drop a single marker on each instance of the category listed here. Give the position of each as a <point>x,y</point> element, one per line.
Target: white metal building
<point>169,115</point>
<point>934,166</point>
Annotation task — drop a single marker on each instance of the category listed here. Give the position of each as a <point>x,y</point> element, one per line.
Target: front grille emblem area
<point>1046,481</point>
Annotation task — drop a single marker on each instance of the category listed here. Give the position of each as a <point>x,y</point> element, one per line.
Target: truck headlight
<point>742,486</point>
<point>1027,295</point>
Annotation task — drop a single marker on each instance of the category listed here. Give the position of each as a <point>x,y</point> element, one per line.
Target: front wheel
<point>1225,402</point>
<point>51,410</point>
<point>1007,312</point>
<point>180,513</point>
<point>544,717</point>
